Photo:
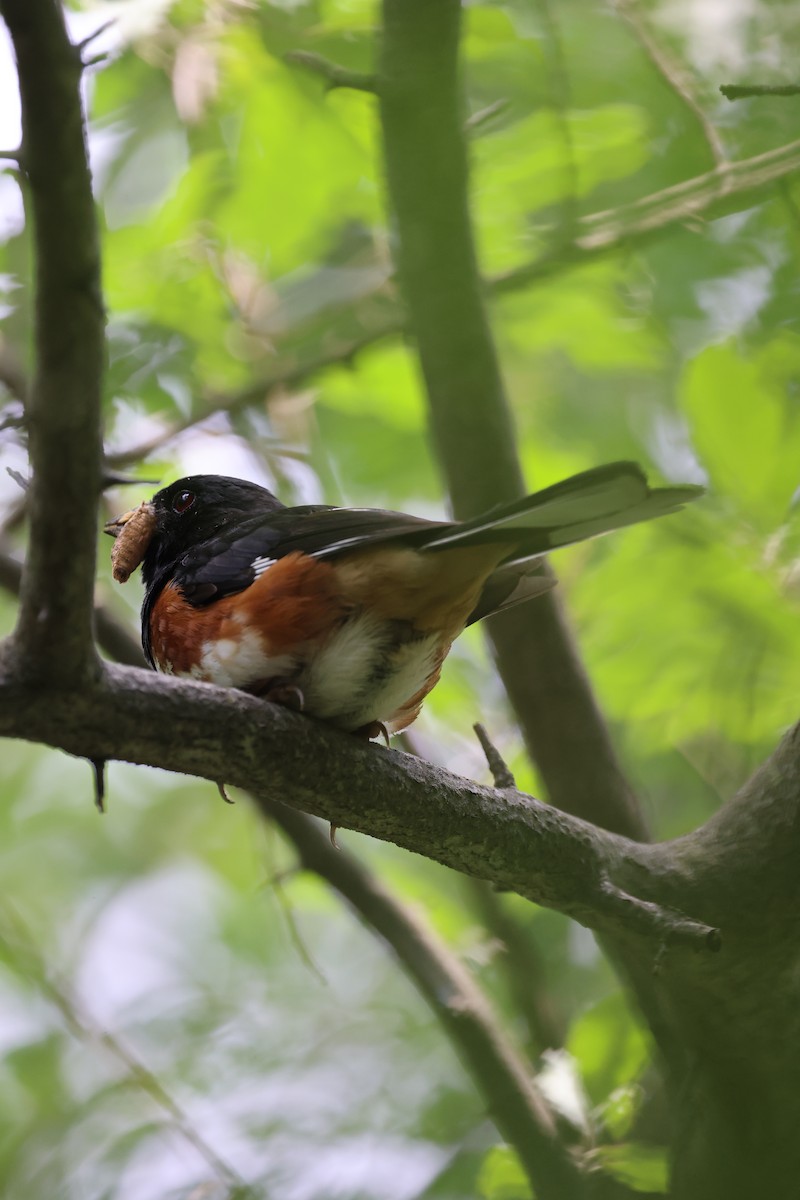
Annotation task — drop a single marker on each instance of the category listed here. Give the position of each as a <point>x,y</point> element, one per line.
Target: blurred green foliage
<point>245,235</point>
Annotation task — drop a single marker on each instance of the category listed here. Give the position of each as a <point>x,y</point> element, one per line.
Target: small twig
<point>57,991</point>
<point>114,479</point>
<point>291,925</point>
<point>675,76</point>
<point>92,37</point>
<point>95,60</point>
<point>12,420</point>
<point>559,87</point>
<point>99,768</point>
<point>674,928</point>
<point>19,478</point>
<point>334,75</point>
<point>224,794</point>
<point>746,91</point>
<point>501,774</point>
<point>289,373</point>
<point>484,115</point>
<point>12,156</point>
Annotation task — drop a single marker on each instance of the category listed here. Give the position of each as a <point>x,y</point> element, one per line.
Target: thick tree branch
<point>427,174</point>
<point>520,1113</point>
<point>54,634</point>
<point>511,839</point>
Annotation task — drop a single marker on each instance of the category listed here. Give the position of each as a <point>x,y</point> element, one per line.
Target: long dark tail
<point>581,507</point>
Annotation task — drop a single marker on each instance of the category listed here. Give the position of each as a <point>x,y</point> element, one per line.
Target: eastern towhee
<point>346,613</point>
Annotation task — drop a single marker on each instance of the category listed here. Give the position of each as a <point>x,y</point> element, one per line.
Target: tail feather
<point>584,506</point>
<point>659,502</point>
<point>509,586</point>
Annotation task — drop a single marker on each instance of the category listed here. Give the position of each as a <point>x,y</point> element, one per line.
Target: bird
<point>347,614</point>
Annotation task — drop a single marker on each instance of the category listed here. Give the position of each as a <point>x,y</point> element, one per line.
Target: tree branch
<point>675,76</point>
<point>702,197</point>
<point>292,369</point>
<point>334,75</point>
<point>511,839</point>
<point>54,634</point>
<point>519,1111</point>
<point>746,91</point>
<point>522,967</point>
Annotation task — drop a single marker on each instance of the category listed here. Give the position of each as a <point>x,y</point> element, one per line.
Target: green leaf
<point>618,1112</point>
<point>539,161</point>
<point>642,1168</point>
<point>745,424</point>
<point>502,1176</point>
<point>608,1045</point>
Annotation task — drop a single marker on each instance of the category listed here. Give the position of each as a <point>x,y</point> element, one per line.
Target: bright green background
<point>245,230</point>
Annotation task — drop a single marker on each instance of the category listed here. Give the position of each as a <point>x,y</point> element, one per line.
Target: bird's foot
<point>372,729</point>
<point>289,695</point>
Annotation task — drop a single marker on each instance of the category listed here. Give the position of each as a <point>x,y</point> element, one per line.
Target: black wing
<point>234,559</point>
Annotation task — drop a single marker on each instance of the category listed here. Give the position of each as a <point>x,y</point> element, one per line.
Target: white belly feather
<point>365,672</point>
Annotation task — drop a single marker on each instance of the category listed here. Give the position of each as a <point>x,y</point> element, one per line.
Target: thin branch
<point>334,75</point>
<point>54,635</point>
<point>92,37</point>
<point>745,91</point>
<point>498,1070</point>
<point>520,963</point>
<point>702,197</point>
<point>484,116</point>
<point>276,883</point>
<point>560,93</point>
<point>292,370</point>
<point>133,687</point>
<point>501,775</point>
<point>676,78</point>
<point>18,939</point>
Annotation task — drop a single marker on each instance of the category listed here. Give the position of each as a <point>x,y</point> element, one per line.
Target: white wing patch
<point>241,662</point>
<point>260,565</point>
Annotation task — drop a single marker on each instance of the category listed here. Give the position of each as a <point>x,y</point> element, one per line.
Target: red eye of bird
<point>182,501</point>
